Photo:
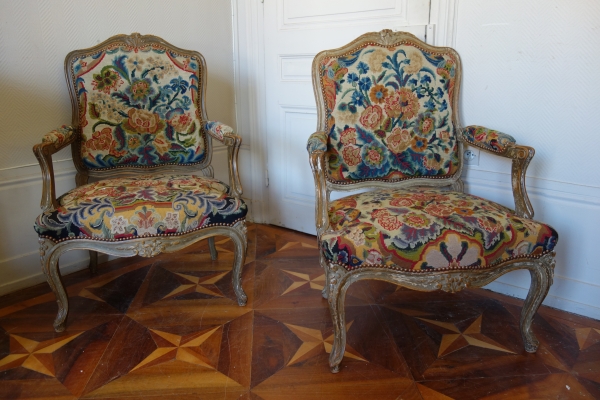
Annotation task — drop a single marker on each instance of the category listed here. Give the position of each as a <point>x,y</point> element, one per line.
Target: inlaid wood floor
<point>169,327</point>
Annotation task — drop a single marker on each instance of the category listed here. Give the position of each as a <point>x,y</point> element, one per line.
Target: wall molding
<point>577,277</point>
<point>248,37</point>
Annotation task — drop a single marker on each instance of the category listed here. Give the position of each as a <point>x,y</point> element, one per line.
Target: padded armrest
<point>487,139</point>
<point>58,136</point>
<point>317,142</point>
<point>218,130</point>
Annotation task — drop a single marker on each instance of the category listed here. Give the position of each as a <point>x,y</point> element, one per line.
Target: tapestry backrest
<point>389,111</point>
<point>138,103</point>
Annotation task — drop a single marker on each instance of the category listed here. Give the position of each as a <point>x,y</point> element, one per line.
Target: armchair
<point>388,121</point>
<point>140,130</point>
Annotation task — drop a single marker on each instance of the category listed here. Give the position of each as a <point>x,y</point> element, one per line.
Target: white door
<point>294,32</point>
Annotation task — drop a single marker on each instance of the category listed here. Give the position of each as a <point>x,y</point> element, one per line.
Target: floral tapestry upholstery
<point>317,141</point>
<point>389,113</point>
<point>138,107</point>
<point>488,139</point>
<point>419,230</point>
<point>217,129</point>
<point>58,136</point>
<point>125,208</point>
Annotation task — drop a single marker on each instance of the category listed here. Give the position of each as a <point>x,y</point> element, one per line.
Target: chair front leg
<point>338,284</point>
<point>49,259</point>
<point>239,237</point>
<point>541,279</point>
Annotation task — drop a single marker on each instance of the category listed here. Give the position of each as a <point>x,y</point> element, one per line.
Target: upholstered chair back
<point>389,111</point>
<point>138,103</point>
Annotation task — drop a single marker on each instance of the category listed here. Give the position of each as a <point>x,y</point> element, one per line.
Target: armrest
<point>51,143</point>
<point>225,135</point>
<point>317,148</point>
<point>217,130</point>
<point>505,146</point>
<point>317,142</point>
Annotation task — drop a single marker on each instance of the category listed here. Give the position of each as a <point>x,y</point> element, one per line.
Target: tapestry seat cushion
<point>148,205</point>
<point>427,230</point>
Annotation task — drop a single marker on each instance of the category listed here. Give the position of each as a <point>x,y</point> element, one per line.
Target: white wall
<point>531,70</point>
<point>35,36</point>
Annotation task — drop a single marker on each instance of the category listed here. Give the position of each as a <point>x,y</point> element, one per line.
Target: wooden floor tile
<point>170,327</point>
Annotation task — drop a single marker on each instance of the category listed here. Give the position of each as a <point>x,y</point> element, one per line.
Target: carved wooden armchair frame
<point>144,245</point>
<point>339,278</point>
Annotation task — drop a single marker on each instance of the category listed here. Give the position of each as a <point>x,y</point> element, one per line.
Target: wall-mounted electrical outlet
<point>471,157</point>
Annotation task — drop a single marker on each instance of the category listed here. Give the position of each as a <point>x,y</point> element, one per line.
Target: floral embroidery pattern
<point>147,205</point>
<point>415,229</point>
<point>389,114</point>
<point>58,136</point>
<point>139,107</point>
<point>487,138</point>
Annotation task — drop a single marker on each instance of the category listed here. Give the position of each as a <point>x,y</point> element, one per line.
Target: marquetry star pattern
<point>313,343</point>
<point>453,339</point>
<point>587,337</point>
<point>187,348</point>
<point>34,355</point>
<point>301,279</point>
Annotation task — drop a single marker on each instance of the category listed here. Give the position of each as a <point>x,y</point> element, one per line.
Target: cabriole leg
<point>337,298</point>
<point>325,291</point>
<point>49,259</point>
<point>541,280</point>
<point>240,242</point>
<point>212,248</point>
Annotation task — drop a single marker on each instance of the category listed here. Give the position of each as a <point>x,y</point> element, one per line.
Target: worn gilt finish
<point>148,246</point>
<point>338,278</point>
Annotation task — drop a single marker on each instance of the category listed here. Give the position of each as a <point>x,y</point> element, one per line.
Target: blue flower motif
<point>425,79</point>
<point>362,68</point>
<point>413,82</point>
<point>365,83</point>
<point>429,104</point>
<point>342,257</point>
<point>358,98</point>
<point>352,78</point>
<point>440,92</point>
<point>443,106</point>
<point>179,84</point>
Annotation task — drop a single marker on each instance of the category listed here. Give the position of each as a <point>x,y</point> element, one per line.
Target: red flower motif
<point>403,103</point>
<point>371,117</point>
<point>351,155</point>
<point>348,136</point>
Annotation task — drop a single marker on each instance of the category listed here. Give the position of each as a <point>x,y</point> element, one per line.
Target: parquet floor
<point>169,327</point>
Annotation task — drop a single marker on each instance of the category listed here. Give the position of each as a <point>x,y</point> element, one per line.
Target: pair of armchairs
<point>387,121</point>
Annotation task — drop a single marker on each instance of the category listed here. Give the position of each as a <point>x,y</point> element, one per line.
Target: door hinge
<point>266,177</point>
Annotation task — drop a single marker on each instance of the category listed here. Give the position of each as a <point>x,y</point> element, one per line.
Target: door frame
<point>250,84</point>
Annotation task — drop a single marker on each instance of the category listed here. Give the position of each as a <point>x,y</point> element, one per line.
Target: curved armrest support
<point>505,146</point>
<point>224,134</point>
<point>317,147</point>
<point>51,143</point>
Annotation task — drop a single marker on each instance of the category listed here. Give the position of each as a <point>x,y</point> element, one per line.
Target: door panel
<point>295,31</point>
